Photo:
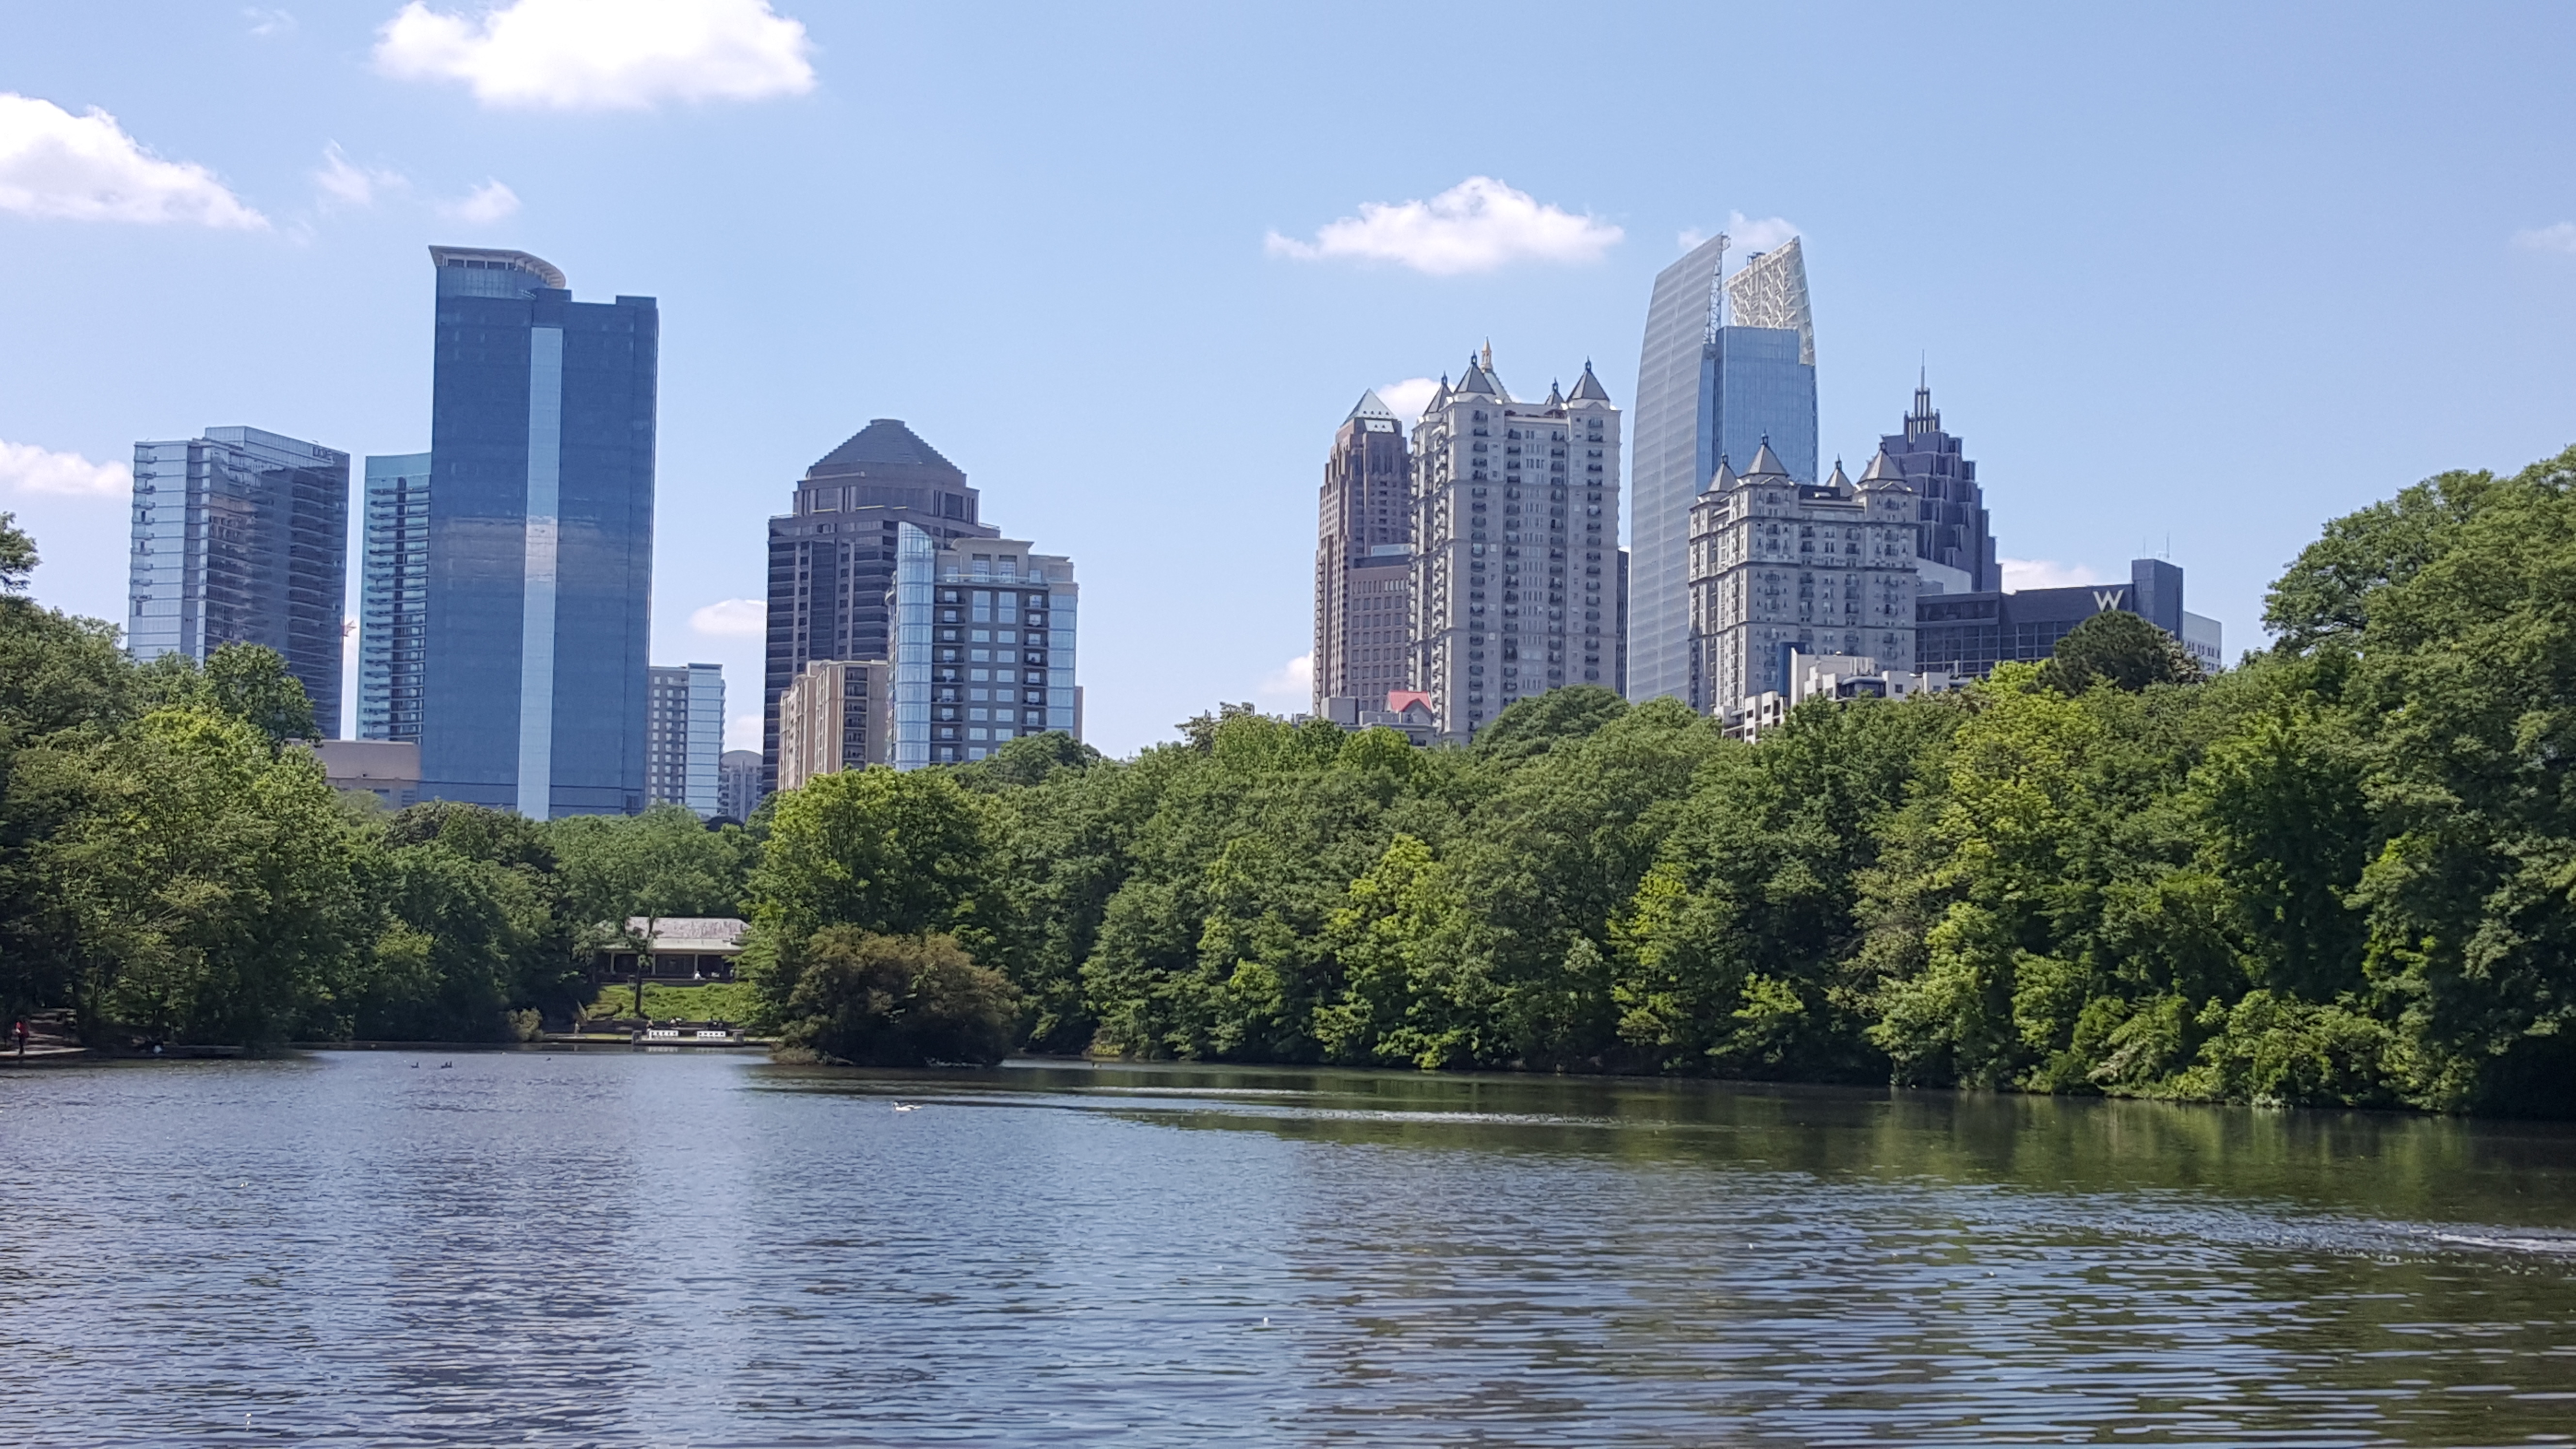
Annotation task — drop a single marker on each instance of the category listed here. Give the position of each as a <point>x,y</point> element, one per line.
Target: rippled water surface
<point>617,1249</point>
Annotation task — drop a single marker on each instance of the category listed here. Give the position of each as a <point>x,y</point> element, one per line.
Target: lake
<point>534,1248</point>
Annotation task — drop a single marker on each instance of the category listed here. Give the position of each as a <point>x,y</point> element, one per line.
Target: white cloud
<point>732,619</point>
<point>1291,683</point>
<point>1475,226</point>
<point>488,202</point>
<point>1744,233</point>
<point>26,467</point>
<point>85,168</point>
<point>345,181</point>
<point>2040,573</point>
<point>742,732</point>
<point>1408,398</point>
<point>2559,238</point>
<point>269,22</point>
<point>603,54</point>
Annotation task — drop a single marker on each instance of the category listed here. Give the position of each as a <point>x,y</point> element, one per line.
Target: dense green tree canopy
<point>2340,873</point>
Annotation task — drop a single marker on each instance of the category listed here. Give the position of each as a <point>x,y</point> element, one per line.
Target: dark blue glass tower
<point>538,608</point>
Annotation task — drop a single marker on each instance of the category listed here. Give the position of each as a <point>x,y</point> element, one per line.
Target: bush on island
<point>899,1001</point>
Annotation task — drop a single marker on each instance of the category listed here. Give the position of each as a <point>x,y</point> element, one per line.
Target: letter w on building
<point>2107,598</point>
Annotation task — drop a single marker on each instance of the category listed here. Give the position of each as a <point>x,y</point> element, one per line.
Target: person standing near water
<point>20,1032</point>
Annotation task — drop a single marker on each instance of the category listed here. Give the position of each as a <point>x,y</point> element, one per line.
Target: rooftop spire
<point>1924,419</point>
<point>1766,464</point>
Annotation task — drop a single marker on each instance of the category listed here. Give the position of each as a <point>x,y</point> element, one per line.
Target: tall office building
<point>393,597</point>
<point>1516,569</point>
<point>1709,384</point>
<point>738,783</point>
<point>837,715</point>
<point>683,736</point>
<point>1958,539</point>
<point>832,560</point>
<point>1364,560</point>
<point>241,537</point>
<point>1777,565</point>
<point>537,607</point>
<point>984,636</point>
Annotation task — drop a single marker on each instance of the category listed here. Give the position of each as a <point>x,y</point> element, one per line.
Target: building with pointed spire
<point>1779,566</point>
<point>1958,535</point>
<point>1517,567</point>
<point>1364,560</point>
<point>1727,363</point>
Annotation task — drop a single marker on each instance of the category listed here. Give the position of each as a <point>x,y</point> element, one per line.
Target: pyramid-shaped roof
<point>883,446</point>
<point>1372,406</point>
<point>1477,379</point>
<point>1766,464</point>
<point>1724,478</point>
<point>1838,482</point>
<point>1883,472</point>
<point>1588,388</point>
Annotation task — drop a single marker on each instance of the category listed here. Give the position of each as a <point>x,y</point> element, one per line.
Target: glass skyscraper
<point>537,600</point>
<point>241,537</point>
<point>1958,539</point>
<point>684,737</point>
<point>1709,385</point>
<point>393,591</point>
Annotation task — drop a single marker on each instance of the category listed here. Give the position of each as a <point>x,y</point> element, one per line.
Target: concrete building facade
<point>1780,567</point>
<point>837,715</point>
<point>1517,561</point>
<point>738,784</point>
<point>1364,558</point>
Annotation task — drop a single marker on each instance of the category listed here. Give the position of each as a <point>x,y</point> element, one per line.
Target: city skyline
<point>2179,233</point>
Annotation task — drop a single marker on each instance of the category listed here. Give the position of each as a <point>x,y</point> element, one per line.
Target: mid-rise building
<point>683,736</point>
<point>1405,711</point>
<point>1364,559</point>
<point>832,559</point>
<point>1958,541</point>
<point>984,647</point>
<point>1727,363</point>
<point>1829,676</point>
<point>241,537</point>
<point>838,714</point>
<point>536,606</point>
<point>738,784</point>
<point>1969,634</point>
<point>1517,561</point>
<point>1780,567</point>
<point>393,597</point>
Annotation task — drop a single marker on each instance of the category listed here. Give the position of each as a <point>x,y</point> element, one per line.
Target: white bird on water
<point>907,1106</point>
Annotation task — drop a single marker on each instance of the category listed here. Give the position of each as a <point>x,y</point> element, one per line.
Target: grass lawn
<point>715,1001</point>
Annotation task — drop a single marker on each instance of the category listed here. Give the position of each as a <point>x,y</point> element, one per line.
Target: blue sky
<point>2187,279</point>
